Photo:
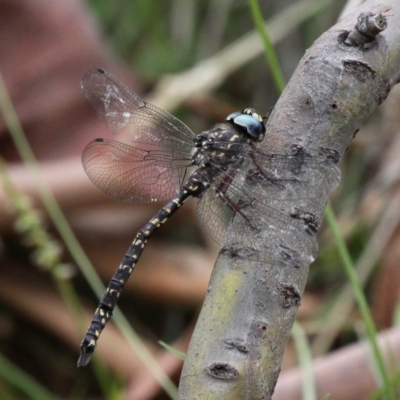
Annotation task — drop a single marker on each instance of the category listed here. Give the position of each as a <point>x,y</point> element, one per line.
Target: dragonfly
<point>158,158</point>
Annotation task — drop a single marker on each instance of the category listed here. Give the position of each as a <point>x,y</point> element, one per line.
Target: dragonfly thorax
<point>219,146</point>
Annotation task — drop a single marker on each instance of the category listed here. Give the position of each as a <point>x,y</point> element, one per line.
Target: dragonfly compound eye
<point>249,122</point>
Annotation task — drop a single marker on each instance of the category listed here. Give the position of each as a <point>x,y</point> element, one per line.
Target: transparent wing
<point>296,167</point>
<point>121,109</point>
<point>269,168</point>
<point>241,193</point>
<point>130,174</point>
<point>216,209</point>
<point>214,214</point>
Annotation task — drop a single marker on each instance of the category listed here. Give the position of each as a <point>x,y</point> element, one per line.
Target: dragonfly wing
<point>268,169</point>
<point>123,110</point>
<point>130,174</point>
<point>242,192</point>
<point>213,214</point>
<point>292,167</point>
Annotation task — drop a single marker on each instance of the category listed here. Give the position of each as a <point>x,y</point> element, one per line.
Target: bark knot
<point>290,296</point>
<point>222,371</point>
<point>360,70</point>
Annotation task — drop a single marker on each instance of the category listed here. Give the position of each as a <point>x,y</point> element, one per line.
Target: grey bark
<point>257,282</point>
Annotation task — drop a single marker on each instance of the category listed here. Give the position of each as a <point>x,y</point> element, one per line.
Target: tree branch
<point>259,277</point>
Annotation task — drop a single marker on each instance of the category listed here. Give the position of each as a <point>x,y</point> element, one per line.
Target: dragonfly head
<point>248,122</point>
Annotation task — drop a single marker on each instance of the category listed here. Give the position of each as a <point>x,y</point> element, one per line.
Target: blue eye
<point>247,123</point>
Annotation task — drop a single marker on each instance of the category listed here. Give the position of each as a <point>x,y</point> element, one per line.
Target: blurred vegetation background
<point>151,46</point>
